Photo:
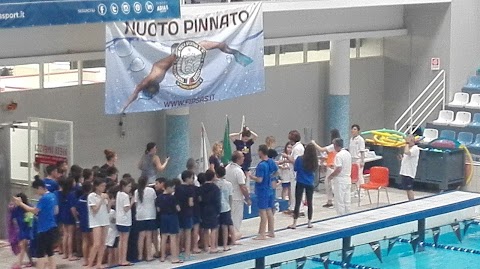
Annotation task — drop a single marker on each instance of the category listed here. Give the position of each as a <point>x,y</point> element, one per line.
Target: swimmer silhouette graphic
<point>187,60</point>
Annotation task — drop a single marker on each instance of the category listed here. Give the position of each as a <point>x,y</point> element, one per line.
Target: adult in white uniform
<point>341,178</point>
<point>357,150</point>
<point>329,163</point>
<point>236,176</point>
<point>408,168</point>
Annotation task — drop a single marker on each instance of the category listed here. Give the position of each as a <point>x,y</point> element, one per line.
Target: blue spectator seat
<point>473,85</point>
<point>449,134</point>
<point>476,144</point>
<point>476,120</point>
<point>465,138</point>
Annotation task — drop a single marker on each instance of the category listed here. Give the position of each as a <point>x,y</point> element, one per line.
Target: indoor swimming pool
<point>402,254</point>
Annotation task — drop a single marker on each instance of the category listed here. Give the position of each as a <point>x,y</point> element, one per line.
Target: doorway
<point>26,148</point>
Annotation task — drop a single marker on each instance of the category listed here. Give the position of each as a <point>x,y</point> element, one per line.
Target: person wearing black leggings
<point>305,166</point>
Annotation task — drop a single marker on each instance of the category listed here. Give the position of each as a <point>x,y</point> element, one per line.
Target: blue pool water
<point>402,256</point>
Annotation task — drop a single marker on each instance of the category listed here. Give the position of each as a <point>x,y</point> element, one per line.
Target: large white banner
<point>155,65</point>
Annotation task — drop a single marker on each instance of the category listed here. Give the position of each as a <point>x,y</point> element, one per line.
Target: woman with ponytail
<point>111,157</point>
<point>150,163</point>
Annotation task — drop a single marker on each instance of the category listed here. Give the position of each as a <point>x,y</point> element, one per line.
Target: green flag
<point>227,149</point>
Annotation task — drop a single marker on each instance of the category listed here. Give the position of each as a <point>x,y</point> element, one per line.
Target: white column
<point>340,67</point>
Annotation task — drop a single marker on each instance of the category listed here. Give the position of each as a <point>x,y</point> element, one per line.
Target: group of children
<point>107,212</point>
<point>125,217</point>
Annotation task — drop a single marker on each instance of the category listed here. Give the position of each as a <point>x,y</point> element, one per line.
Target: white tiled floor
<point>250,227</point>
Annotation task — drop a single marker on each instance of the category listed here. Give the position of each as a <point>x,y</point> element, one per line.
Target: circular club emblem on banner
<point>188,64</point>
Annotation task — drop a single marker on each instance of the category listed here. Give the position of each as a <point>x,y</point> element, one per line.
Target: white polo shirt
<point>235,175</point>
<point>356,147</point>
<point>343,159</point>
<point>410,162</point>
<point>122,201</point>
<point>298,150</point>
<point>146,210</point>
<point>101,217</point>
<point>225,193</point>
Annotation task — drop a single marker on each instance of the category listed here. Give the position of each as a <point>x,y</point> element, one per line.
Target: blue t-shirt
<point>263,171</point>
<point>167,204</point>
<point>51,185</point>
<point>19,215</point>
<point>273,169</point>
<point>210,200</point>
<point>182,194</point>
<point>82,208</point>
<point>65,203</point>
<point>196,201</point>
<point>303,176</point>
<point>46,213</point>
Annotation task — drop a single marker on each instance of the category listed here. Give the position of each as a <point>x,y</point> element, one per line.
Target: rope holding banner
<point>343,264</point>
<point>441,246</point>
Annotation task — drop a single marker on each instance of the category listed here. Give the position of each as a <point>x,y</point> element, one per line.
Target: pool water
<point>402,255</point>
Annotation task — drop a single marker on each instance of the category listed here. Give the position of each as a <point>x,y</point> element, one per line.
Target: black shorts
<point>46,242</point>
<point>407,183</point>
<point>225,218</point>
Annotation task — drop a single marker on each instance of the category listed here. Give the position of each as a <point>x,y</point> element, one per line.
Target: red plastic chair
<point>379,179</point>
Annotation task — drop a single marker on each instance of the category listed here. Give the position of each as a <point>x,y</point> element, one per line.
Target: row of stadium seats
<point>462,119</point>
<point>465,138</point>
<point>462,99</point>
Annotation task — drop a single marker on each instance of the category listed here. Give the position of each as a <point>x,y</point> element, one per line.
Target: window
<point>371,47</point>
<point>19,77</point>
<point>59,74</point>
<point>269,56</point>
<point>94,71</point>
<point>53,74</point>
<point>318,52</point>
<point>291,54</point>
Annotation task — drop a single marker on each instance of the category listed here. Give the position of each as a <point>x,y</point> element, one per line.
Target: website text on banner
<point>200,58</point>
<point>25,13</point>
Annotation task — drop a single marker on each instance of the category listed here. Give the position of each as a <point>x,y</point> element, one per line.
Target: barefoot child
<point>23,220</point>
<point>98,219</point>
<point>46,209</point>
<point>112,235</point>
<point>123,217</point>
<point>168,208</point>
<point>185,194</point>
<point>197,235</point>
<point>146,217</point>
<point>286,173</point>
<point>81,214</point>
<point>210,204</point>
<point>264,193</point>
<point>159,189</point>
<point>66,199</point>
<point>225,219</point>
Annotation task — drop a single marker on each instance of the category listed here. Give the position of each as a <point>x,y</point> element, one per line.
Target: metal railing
<point>424,105</point>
